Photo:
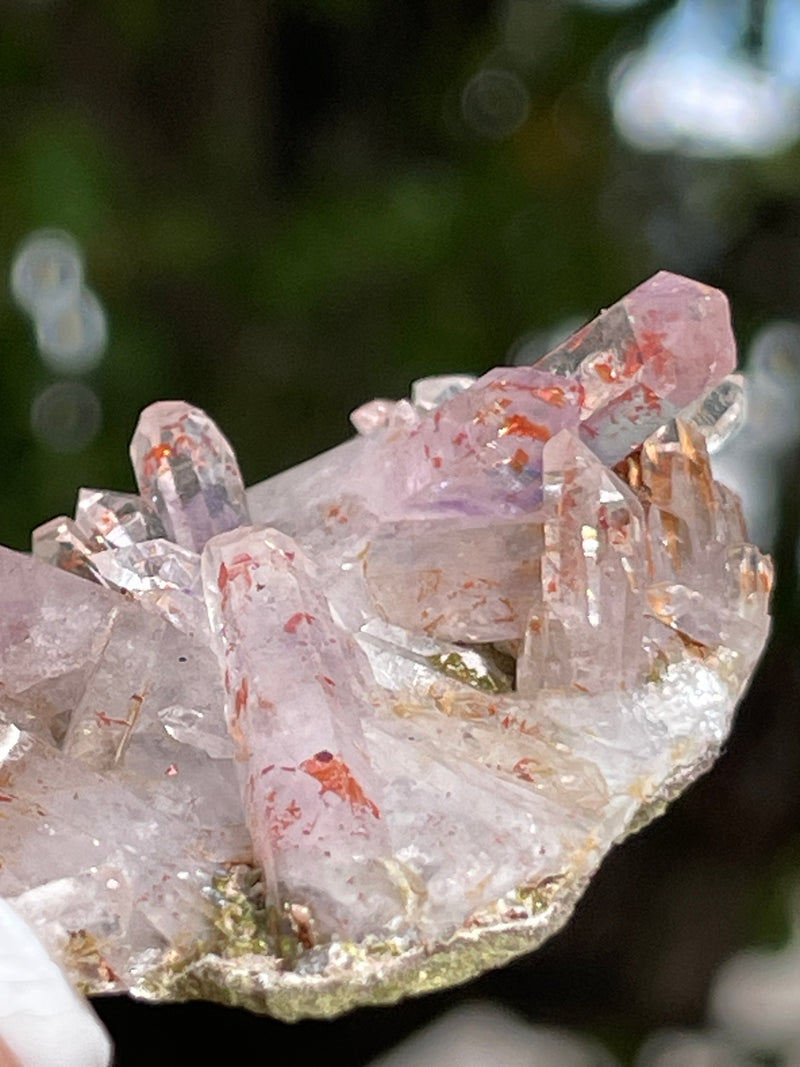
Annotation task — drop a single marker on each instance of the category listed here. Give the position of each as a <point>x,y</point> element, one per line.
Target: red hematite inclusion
<point>415,688</point>
<point>334,776</point>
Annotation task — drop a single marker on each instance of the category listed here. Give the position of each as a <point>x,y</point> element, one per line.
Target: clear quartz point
<point>157,564</point>
<point>164,577</point>
<point>645,359</point>
<point>294,683</point>
<point>61,543</point>
<point>720,414</point>
<point>186,469</point>
<point>586,632</point>
<point>115,520</point>
<point>427,394</point>
<point>383,414</point>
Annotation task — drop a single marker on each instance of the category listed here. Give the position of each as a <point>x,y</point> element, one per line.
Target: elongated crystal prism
<point>586,632</point>
<point>479,452</point>
<point>296,687</point>
<point>646,358</point>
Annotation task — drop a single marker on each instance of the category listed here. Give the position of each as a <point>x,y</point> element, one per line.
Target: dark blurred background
<point>287,207</point>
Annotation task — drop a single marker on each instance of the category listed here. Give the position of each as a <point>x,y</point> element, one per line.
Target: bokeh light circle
<point>73,338</point>
<point>46,272</point>
<point>495,103</point>
<point>66,416</point>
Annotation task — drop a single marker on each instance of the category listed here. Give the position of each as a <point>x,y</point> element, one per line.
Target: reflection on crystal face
<point>646,358</point>
<point>186,469</point>
<point>371,729</point>
<point>61,543</point>
<point>116,520</point>
<point>456,581</point>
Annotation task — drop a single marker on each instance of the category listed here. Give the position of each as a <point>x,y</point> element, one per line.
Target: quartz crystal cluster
<point>370,727</point>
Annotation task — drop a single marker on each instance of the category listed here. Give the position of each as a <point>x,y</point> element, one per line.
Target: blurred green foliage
<point>284,212</point>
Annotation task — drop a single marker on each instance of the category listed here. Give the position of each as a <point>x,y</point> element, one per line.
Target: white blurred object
<point>67,416</point>
<point>47,281</point>
<point>693,90</point>
<point>752,462</point>
<point>72,338</point>
<point>43,1021</point>
<point>682,1048</point>
<point>47,272</point>
<point>756,995</point>
<point>476,1035</point>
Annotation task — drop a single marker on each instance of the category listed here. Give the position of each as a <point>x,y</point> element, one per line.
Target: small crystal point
<point>427,394</point>
<point>186,468</point>
<point>115,520</point>
<point>382,415</point>
<point>62,544</point>
<point>721,413</point>
<point>586,631</point>
<point>162,576</point>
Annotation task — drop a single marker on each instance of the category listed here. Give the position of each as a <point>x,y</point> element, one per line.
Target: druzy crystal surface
<point>369,728</point>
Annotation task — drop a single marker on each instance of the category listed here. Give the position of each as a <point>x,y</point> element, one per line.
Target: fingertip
<point>43,1021</point>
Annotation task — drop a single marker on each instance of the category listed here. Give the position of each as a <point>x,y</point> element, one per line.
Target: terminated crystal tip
<point>186,469</point>
<point>373,732</point>
<point>645,359</point>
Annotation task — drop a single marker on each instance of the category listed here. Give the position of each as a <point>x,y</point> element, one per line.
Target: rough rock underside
<point>370,727</point>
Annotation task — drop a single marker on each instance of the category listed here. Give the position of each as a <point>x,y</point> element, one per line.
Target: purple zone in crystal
<point>480,452</point>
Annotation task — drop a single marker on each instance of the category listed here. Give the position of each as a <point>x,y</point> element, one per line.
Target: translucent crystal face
<point>371,728</point>
<point>116,520</point>
<point>645,359</point>
<point>187,471</point>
